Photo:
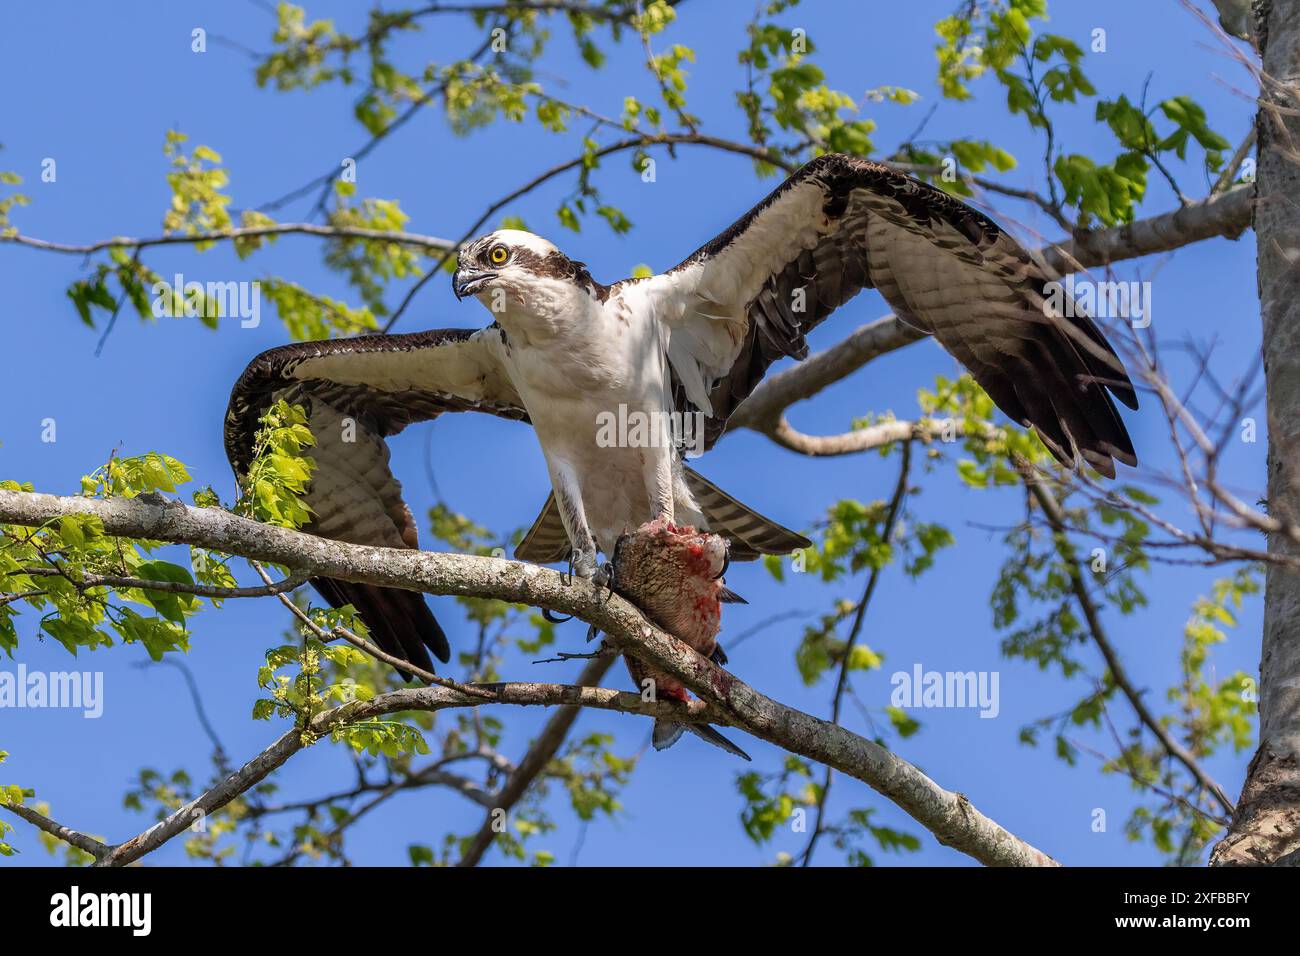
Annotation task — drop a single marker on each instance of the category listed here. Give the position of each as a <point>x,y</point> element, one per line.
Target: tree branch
<point>66,834</point>
<point>535,760</point>
<point>1224,214</point>
<point>225,235</point>
<point>725,699</point>
<point>1056,520</point>
<point>271,588</point>
<point>859,615</point>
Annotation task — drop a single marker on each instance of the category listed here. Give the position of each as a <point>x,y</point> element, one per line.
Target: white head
<point>520,276</point>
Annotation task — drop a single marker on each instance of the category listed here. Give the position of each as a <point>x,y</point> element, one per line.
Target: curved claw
<point>604,579</point>
<point>549,616</point>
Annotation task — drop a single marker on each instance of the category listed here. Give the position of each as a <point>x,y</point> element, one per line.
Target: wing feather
<point>358,392</point>
<point>839,225</point>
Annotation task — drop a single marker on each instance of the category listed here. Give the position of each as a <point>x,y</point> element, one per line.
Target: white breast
<point>608,359</point>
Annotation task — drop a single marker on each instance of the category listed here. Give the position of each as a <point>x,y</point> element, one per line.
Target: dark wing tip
<point>400,621</point>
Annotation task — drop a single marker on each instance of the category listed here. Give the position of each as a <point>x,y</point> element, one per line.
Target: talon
<point>593,632</point>
<point>604,579</point>
<point>582,564</point>
<point>549,616</point>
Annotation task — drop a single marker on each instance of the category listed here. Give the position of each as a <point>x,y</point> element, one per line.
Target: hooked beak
<point>468,282</point>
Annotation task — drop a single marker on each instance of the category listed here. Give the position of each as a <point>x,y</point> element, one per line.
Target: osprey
<point>564,352</point>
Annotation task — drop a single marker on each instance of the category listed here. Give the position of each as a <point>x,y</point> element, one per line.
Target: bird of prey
<point>563,351</point>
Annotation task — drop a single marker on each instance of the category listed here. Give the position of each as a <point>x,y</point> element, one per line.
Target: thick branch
<point>950,816</point>
<point>169,587</point>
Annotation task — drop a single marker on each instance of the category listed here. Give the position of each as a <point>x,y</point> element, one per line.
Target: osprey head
<point>519,263</point>
<point>508,255</point>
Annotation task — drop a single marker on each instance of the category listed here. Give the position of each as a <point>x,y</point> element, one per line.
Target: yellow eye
<point>498,255</point>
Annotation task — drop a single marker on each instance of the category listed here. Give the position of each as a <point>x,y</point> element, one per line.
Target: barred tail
<point>748,531</point>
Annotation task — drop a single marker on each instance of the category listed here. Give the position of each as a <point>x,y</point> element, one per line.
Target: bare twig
<point>859,615</point>
<point>66,834</point>
<point>1056,519</point>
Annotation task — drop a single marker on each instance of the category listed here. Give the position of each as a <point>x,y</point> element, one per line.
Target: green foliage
<point>1110,192</point>
<point>198,204</point>
<point>76,612</point>
<point>8,202</point>
<point>991,448</point>
<point>971,157</point>
<point>797,99</point>
<point>1215,713</point>
<point>772,801</point>
<point>301,61</point>
<point>131,278</point>
<point>130,477</point>
<point>592,775</point>
<point>10,796</point>
<point>309,317</point>
<point>1037,71</point>
<point>850,835</point>
<point>820,649</point>
<point>279,474</point>
<point>308,688</point>
<point>1190,122</point>
<point>245,246</point>
<point>368,264</point>
<point>392,738</point>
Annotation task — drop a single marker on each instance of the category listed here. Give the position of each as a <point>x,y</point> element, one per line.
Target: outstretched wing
<point>839,225</point>
<point>357,392</point>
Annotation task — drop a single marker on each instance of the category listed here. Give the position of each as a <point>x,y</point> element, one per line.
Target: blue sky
<point>96,89</point>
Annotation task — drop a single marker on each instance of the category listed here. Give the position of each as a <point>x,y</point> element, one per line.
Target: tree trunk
<point>1266,827</point>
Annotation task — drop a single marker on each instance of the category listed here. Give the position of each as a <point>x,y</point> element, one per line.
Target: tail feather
<point>728,596</point>
<point>749,532</point>
<point>667,733</point>
<point>546,541</point>
<point>706,732</point>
